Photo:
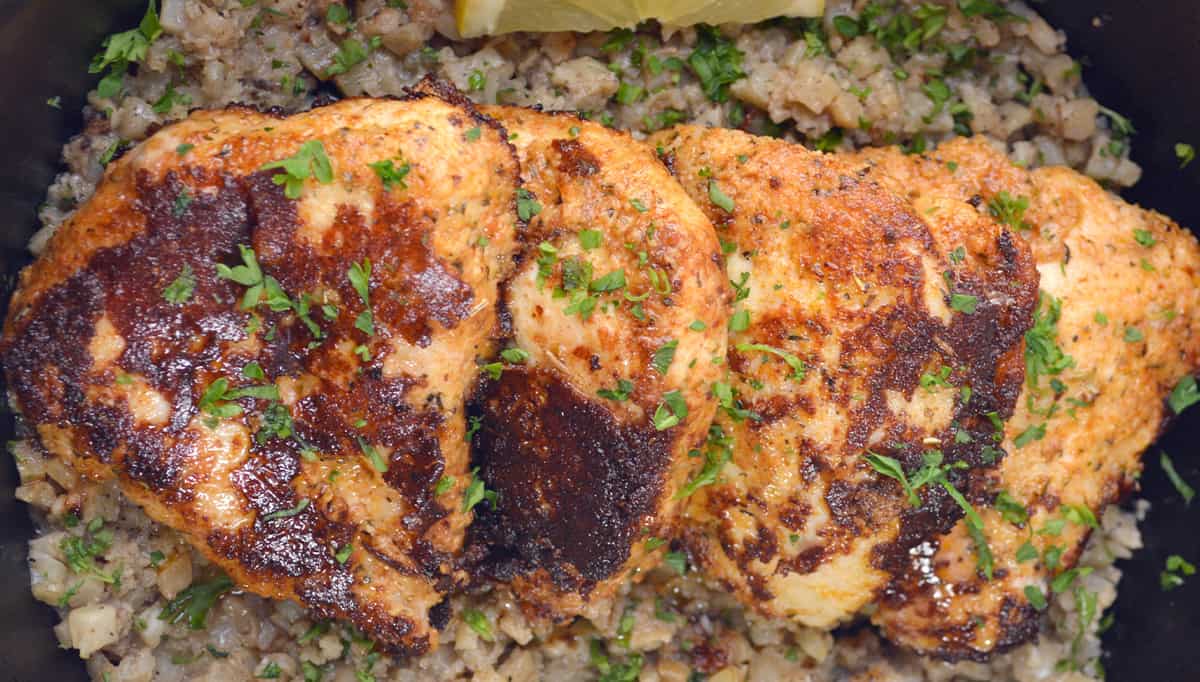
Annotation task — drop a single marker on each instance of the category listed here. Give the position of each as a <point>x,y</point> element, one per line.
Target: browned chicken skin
<point>621,306</point>
<point>858,329</point>
<point>296,414</point>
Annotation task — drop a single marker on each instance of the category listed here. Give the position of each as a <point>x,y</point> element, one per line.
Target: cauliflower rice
<point>867,73</point>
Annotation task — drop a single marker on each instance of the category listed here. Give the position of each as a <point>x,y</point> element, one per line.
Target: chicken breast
<point>857,331</point>
<point>264,327</point>
<point>1114,335</point>
<point>615,318</point>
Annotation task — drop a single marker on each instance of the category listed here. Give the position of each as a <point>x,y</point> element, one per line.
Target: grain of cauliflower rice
<point>867,73</point>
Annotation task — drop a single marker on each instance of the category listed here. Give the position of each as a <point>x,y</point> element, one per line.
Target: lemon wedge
<point>493,17</point>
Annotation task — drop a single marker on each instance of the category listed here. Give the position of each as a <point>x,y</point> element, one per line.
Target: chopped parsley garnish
<point>798,368</point>
<point>309,161</point>
<point>698,326</point>
<point>473,426</point>
<point>1134,335</point>
<point>1063,581</point>
<point>194,603</point>
<point>378,463</point>
<point>476,80</point>
<point>1177,569</point>
<point>350,53</point>
<point>718,197</point>
<point>933,470</point>
<point>718,449</point>
<point>1144,237</point>
<point>1010,509</point>
<point>180,290</point>
<point>677,561</point>
<point>288,513</point>
<point>672,410</point>
<point>514,355</point>
<point>479,623</point>
<point>342,555</point>
<point>182,201</point>
<point>1184,395</point>
<point>1009,210</point>
<point>716,62</point>
<point>964,303</point>
<point>1185,491</point>
<point>739,321</point>
<point>477,492</point>
<point>1026,552</point>
<point>80,552</point>
<point>390,174</point>
<point>1029,435</point>
<point>1185,152</point>
<point>622,392</point>
<point>170,99</point>
<point>611,282</point>
<point>444,484</point>
<point>360,278</point>
<point>270,671</point>
<point>527,204</point>
<point>122,49</point>
<point>337,14</point>
<point>663,356</point>
<point>1043,356</point>
<point>1122,127</point>
<point>1036,598</point>
<point>590,239</point>
<point>184,148</point>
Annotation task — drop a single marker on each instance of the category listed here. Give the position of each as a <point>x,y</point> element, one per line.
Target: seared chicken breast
<point>1115,332</point>
<point>860,338</point>
<point>264,327</point>
<point>616,317</point>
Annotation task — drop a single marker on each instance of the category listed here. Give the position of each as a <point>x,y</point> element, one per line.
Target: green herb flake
<point>514,355</point>
<point>479,623</point>
<point>527,204</point>
<point>444,484</point>
<point>590,239</point>
<point>964,303</point>
<point>378,463</point>
<point>622,392</point>
<point>390,174</point>
<point>194,603</point>
<point>1009,210</point>
<point>716,62</point>
<point>672,410</point>
<point>337,14</point>
<point>350,53</point>
<point>1010,509</point>
<point>1144,237</point>
<point>676,561</point>
<point>1185,491</point>
<point>180,290</point>
<point>310,161</point>
<point>1186,154</point>
<point>288,513</point>
<point>663,356</point>
<point>477,492</point>
<point>1184,395</point>
<point>1036,598</point>
<point>719,198</point>
<point>799,370</point>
